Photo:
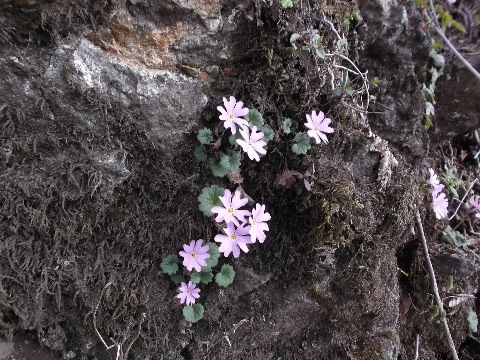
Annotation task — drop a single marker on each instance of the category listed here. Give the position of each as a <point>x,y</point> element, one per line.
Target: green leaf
<point>230,163</point>
<point>458,26</point>
<point>177,278</point>
<point>234,137</point>
<point>268,132</point>
<point>199,153</point>
<point>286,4</point>
<point>286,126</point>
<point>437,45</point>
<point>302,144</point>
<point>436,312</point>
<point>294,37</point>
<point>320,52</point>
<point>472,320</point>
<point>455,238</point>
<point>209,198</point>
<point>201,277</point>
<point>438,60</point>
<point>376,81</point>
<point>193,313</point>
<point>169,264</point>
<point>341,43</point>
<point>205,136</point>
<point>254,118</point>
<point>449,285</point>
<point>212,261</point>
<point>428,122</point>
<point>225,276</point>
<point>217,169</point>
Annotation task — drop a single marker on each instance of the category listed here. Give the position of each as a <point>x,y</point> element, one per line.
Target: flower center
<point>192,255</point>
<point>230,210</point>
<point>233,237</point>
<point>231,116</point>
<point>254,222</point>
<point>315,128</point>
<point>188,291</point>
<point>249,143</point>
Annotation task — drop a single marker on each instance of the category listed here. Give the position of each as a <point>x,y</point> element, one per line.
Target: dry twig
<point>435,286</point>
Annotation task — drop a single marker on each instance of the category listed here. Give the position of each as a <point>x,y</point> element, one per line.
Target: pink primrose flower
<point>258,223</point>
<point>440,204</point>
<point>234,240</point>
<point>231,114</point>
<point>476,205</point>
<point>195,255</point>
<point>230,212</point>
<point>252,143</point>
<point>434,183</point>
<point>188,293</point>
<point>318,125</point>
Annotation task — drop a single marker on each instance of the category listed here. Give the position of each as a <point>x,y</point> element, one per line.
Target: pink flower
<point>258,223</point>
<point>195,255</point>
<point>230,213</point>
<point>188,293</point>
<point>434,183</point>
<point>318,125</point>
<point>451,1</point>
<point>252,143</point>
<point>476,205</point>
<point>231,112</point>
<point>234,240</point>
<point>440,204</point>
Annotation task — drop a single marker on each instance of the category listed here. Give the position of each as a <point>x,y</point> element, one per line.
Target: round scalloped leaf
<point>209,198</point>
<point>234,137</point>
<point>177,278</point>
<point>205,136</point>
<point>225,276</point>
<point>201,277</point>
<point>302,144</point>
<point>231,163</point>
<point>169,264</point>
<point>217,169</point>
<point>200,153</point>
<point>214,255</point>
<point>254,118</point>
<point>286,126</point>
<point>193,313</point>
<point>267,132</point>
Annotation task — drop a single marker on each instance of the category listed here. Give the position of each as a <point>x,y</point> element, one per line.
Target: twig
<point>417,346</point>
<point>333,29</point>
<point>434,285</point>
<point>119,346</point>
<point>461,201</point>
<point>454,50</point>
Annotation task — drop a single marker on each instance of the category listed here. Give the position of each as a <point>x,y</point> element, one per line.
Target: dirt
<point>99,184</point>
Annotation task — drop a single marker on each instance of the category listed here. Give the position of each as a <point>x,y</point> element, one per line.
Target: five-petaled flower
<point>188,293</point>
<point>234,240</point>
<point>230,212</point>
<point>195,255</point>
<point>258,223</point>
<point>252,143</point>
<point>231,114</point>
<point>440,204</point>
<point>318,125</point>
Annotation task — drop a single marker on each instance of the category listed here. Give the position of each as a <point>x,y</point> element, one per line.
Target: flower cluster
<point>252,142</point>
<point>194,257</point>
<point>439,199</point>
<point>239,233</point>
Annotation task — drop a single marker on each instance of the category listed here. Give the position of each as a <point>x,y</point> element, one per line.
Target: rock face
<point>99,182</point>
<point>396,51</point>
